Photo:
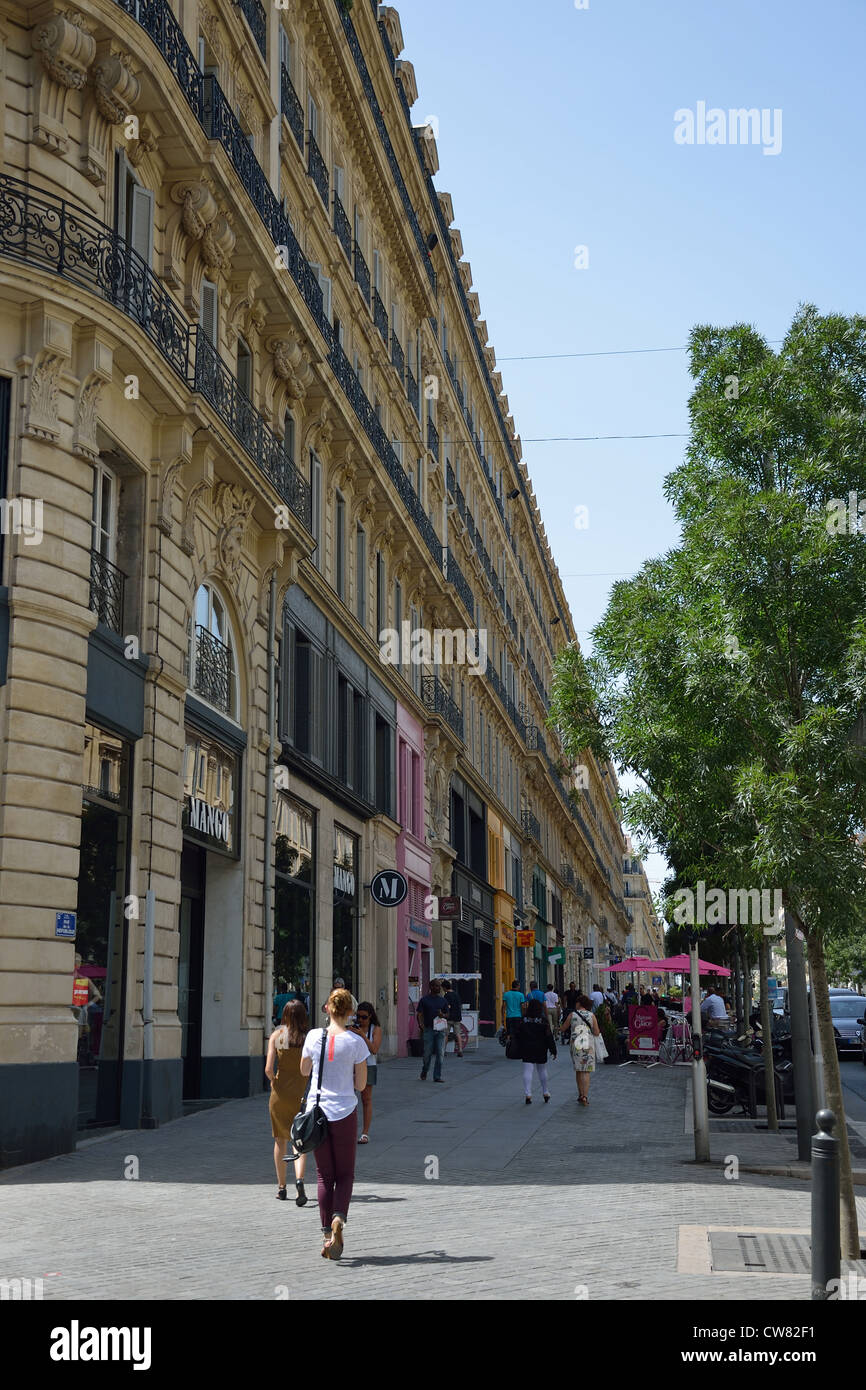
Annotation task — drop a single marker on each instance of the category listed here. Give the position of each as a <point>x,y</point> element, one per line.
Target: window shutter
<point>208,310</point>
<point>141,222</point>
<point>285,51</point>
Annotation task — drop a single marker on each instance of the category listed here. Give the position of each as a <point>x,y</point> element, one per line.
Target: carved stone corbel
<point>66,48</point>
<point>198,475</point>
<point>176,444</point>
<point>320,433</point>
<point>84,442</point>
<point>233,506</point>
<point>139,149</point>
<point>115,90</point>
<point>291,365</point>
<point>43,397</point>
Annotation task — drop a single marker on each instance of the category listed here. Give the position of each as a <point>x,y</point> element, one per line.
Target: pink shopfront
<point>414,930</point>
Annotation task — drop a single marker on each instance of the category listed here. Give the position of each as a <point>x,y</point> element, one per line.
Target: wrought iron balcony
<point>534,739</point>
<point>455,576</point>
<point>380,316</point>
<point>220,388</point>
<point>438,701</point>
<point>254,13</point>
<point>106,591</point>
<point>292,109</point>
<point>342,226</point>
<point>362,273</point>
<point>432,438</point>
<point>214,674</point>
<point>158,22</point>
<point>412,392</point>
<point>317,168</point>
<point>569,875</point>
<point>385,450</point>
<point>398,357</point>
<point>531,825</point>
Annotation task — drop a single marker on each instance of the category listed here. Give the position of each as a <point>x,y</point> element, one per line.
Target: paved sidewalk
<point>602,1202</point>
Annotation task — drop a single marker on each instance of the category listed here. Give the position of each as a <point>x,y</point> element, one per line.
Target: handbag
<point>513,1049</point>
<point>310,1127</point>
<point>600,1049</point>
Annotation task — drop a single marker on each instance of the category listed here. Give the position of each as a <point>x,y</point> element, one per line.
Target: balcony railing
<point>438,701</point>
<point>213,669</point>
<point>158,22</point>
<point>342,226</point>
<point>292,109</point>
<point>49,232</point>
<point>317,168</point>
<point>531,825</point>
<point>456,577</point>
<point>362,274</point>
<point>398,357</point>
<point>380,316</point>
<point>432,438</point>
<point>254,13</point>
<point>106,591</point>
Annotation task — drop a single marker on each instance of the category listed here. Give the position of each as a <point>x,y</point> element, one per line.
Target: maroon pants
<point>335,1164</point>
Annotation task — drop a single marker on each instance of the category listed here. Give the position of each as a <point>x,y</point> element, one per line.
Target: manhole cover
<point>762,1253</point>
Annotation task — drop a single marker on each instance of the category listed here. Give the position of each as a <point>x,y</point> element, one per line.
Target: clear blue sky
<point>556,129</point>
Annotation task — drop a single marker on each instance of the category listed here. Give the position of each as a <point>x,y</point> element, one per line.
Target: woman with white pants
<point>536,1040</point>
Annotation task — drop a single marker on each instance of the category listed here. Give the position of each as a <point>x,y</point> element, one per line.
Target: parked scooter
<point>735,1075</point>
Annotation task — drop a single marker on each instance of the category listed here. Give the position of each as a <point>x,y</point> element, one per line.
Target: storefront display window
<point>294,903</point>
<point>345,906</point>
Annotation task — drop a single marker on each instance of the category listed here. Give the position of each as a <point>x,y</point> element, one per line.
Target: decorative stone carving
<point>209,25</point>
<point>42,405</point>
<point>347,469</point>
<point>66,48</point>
<point>84,440</point>
<point>202,221</point>
<point>320,431</point>
<point>232,506</point>
<point>115,92</point>
<point>139,149</point>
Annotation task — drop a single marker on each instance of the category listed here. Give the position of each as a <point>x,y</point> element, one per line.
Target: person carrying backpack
<point>584,1029</point>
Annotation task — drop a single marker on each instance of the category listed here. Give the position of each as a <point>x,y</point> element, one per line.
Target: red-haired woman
<point>344,1071</point>
<point>283,1070</point>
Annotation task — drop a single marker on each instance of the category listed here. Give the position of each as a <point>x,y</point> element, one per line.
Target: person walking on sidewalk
<point>512,1008</point>
<point>584,1029</point>
<point>344,1071</point>
<point>282,1068</point>
<point>535,992</point>
<point>551,1004</point>
<point>431,1012</point>
<point>536,1040</point>
<point>454,1005</point>
<point>368,1027</point>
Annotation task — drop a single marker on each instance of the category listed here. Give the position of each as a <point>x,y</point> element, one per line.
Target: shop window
<point>294,903</point>
<point>309,716</point>
<point>345,918</point>
<point>384,759</point>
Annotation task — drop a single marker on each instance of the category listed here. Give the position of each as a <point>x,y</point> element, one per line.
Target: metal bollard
<point>826,1239</point>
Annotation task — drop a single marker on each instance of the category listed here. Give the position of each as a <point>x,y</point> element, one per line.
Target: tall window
<point>398,606</point>
<point>134,210</point>
<point>381,615</point>
<point>289,435</point>
<point>212,662</point>
<point>340,548</point>
<point>316,508</point>
<point>103,512</point>
<point>208,310</point>
<point>245,368</point>
<point>361,575</point>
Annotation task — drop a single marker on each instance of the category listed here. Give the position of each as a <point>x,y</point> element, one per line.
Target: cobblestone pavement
<point>540,1201</point>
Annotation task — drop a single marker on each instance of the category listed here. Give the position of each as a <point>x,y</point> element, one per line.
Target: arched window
<point>212,662</point>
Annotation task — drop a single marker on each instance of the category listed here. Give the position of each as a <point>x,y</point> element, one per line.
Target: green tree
<point>730,673</point>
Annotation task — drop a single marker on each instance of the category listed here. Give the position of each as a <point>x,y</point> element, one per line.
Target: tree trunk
<point>747,982</point>
<point>767,1043</point>
<point>738,982</point>
<point>833,1087</point>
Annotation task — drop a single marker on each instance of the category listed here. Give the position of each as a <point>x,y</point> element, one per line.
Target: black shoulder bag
<point>310,1127</point>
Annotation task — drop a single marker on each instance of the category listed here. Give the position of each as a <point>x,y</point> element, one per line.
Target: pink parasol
<point>633,963</point>
<point>681,965</point>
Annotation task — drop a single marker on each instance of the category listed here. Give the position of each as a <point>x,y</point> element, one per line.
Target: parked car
<point>847,1011</point>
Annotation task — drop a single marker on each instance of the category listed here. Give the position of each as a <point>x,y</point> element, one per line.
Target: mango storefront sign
<point>209,778</point>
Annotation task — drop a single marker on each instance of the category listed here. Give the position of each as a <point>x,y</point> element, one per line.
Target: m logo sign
<point>388,888</point>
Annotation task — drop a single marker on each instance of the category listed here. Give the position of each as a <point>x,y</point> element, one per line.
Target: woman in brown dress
<point>287,1090</point>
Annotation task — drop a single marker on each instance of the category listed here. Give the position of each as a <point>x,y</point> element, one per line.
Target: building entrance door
<point>190,966</point>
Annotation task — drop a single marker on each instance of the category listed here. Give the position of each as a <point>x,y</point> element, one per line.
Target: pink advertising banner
<point>643,1030</point>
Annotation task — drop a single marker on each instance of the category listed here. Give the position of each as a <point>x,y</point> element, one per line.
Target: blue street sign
<point>64,925</point>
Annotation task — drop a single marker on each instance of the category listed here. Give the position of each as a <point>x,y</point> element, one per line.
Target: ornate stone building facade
<point>249,420</point>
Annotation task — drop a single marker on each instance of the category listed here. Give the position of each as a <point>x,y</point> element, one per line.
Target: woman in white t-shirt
<point>344,1071</point>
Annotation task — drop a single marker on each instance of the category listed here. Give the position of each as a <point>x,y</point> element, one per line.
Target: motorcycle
<point>735,1075</point>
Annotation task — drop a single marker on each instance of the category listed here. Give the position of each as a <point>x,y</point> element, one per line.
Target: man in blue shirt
<point>512,1007</point>
<point>535,993</point>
